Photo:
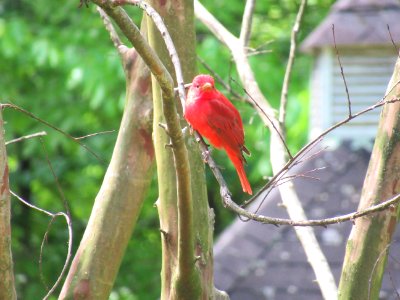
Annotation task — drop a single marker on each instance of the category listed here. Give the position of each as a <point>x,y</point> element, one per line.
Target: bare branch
<point>245,31</point>
<point>272,122</point>
<point>318,222</point>
<point>393,285</point>
<point>393,42</point>
<point>382,255</point>
<point>121,48</point>
<point>26,137</point>
<point>312,143</point>
<point>292,55</point>
<point>341,70</point>
<point>60,191</point>
<point>257,52</point>
<point>95,134</point>
<point>69,252</point>
<point>70,137</point>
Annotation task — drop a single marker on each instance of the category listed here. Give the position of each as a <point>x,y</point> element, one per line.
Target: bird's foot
<point>185,131</point>
<point>206,155</point>
<point>200,139</point>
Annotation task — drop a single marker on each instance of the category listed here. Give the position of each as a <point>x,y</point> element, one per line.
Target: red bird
<point>212,115</point>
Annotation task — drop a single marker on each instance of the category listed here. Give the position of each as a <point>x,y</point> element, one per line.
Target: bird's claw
<point>205,155</point>
<point>185,131</point>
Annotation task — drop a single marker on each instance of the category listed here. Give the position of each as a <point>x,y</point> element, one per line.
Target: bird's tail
<point>238,163</point>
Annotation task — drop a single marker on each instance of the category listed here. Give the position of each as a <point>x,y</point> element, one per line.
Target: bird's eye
<point>197,86</point>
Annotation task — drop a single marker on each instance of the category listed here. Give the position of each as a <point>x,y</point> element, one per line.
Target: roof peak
<point>357,23</point>
<point>362,5</point>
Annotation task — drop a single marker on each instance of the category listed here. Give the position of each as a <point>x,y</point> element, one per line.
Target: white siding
<point>367,74</point>
<point>321,93</point>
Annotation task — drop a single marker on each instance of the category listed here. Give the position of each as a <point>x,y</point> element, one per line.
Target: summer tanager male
<point>214,117</point>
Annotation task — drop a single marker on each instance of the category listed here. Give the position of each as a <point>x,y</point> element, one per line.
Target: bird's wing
<point>225,123</point>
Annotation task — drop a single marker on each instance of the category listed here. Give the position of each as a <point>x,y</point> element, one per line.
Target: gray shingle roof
<point>357,22</point>
<point>257,262</point>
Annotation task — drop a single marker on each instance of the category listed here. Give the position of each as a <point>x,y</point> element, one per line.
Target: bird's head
<point>202,84</point>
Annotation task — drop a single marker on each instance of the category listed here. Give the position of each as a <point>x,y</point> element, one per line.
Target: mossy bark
<point>120,198</point>
<point>369,241</point>
<point>7,287</point>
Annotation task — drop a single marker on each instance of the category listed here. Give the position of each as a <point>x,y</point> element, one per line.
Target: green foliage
<point>57,62</point>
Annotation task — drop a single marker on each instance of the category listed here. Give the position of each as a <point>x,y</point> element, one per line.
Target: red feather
<point>210,113</point>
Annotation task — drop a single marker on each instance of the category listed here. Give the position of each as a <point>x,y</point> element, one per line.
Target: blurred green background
<point>57,61</point>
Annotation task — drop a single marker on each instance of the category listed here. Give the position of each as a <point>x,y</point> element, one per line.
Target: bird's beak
<point>206,87</point>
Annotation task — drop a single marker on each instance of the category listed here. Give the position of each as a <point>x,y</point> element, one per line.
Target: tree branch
<point>184,193</point>
<point>292,56</point>
<point>121,48</point>
<point>341,70</point>
<point>67,135</point>
<point>26,137</point>
<point>69,252</point>
<point>119,200</point>
<point>247,19</point>
<point>7,283</point>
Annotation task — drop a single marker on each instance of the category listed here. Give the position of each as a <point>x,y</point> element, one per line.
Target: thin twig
<point>95,134</point>
<point>305,174</point>
<point>289,66</point>
<point>341,70</point>
<point>374,267</point>
<point>393,285</point>
<point>258,52</point>
<point>26,137</point>
<point>273,124</point>
<point>31,115</point>
<point>312,143</point>
<point>121,48</point>
<point>41,253</point>
<point>303,158</point>
<point>317,222</point>
<point>64,201</point>
<point>59,188</point>
<point>393,42</point>
<point>69,253</point>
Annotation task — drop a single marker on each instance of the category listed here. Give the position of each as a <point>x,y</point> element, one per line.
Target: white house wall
<point>321,93</point>
<point>367,73</point>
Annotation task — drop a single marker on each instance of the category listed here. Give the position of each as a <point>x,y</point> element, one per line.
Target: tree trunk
<point>178,17</point>
<point>369,240</point>
<point>7,288</point>
<point>120,198</point>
